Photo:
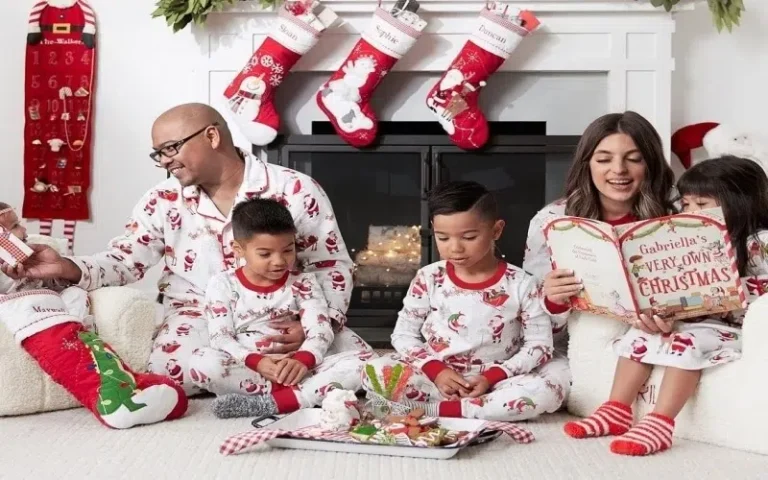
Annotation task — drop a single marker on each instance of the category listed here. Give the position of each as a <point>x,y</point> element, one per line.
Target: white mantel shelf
<point>628,41</point>
<point>461,6</point>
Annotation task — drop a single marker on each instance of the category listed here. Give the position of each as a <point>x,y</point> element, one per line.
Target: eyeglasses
<point>172,149</point>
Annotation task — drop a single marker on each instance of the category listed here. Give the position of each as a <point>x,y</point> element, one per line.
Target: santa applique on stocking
<point>345,97</point>
<point>453,100</point>
<point>250,95</point>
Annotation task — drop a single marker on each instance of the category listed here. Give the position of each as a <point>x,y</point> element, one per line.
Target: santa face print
<point>267,257</point>
<point>618,171</point>
<point>693,203</point>
<point>10,221</point>
<point>465,239</point>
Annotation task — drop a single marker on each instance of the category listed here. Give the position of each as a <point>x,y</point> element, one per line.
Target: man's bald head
<point>188,118</point>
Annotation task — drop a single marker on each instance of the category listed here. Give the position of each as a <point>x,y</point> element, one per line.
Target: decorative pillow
<point>710,416</point>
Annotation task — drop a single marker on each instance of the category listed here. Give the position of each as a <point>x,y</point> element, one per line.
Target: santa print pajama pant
<point>220,373</point>
<point>514,399</point>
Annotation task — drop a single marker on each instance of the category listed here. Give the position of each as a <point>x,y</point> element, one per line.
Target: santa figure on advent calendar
<point>59,84</point>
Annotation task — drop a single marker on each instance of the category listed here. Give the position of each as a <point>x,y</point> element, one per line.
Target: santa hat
<point>689,138</point>
<point>717,140</point>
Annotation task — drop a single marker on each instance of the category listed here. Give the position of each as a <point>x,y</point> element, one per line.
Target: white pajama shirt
<point>182,228</point>
<point>496,328</point>
<point>239,313</point>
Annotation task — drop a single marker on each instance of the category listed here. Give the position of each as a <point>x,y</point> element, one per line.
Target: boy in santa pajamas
<point>179,224</point>
<point>51,323</point>
<point>472,333</point>
<point>239,306</point>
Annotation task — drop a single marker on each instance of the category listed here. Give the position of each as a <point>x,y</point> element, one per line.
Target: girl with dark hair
<point>619,175</point>
<point>685,348</point>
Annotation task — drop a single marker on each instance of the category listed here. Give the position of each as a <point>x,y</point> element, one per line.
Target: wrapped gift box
<point>12,250</point>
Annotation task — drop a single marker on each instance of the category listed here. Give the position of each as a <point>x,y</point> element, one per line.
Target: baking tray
<point>311,416</point>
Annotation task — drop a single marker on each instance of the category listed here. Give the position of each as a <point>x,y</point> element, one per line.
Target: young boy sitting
<point>47,321</point>
<point>241,304</point>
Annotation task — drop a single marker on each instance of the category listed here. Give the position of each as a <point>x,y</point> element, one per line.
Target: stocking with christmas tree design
<point>85,365</point>
<point>453,100</point>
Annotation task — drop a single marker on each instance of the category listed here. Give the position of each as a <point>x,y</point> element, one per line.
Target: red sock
<point>653,434</point>
<point>449,409</point>
<point>286,401</point>
<point>612,418</point>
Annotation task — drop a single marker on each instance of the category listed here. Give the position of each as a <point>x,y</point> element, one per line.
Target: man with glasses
<point>185,222</point>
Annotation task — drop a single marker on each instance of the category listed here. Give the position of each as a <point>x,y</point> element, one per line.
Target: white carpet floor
<point>71,444</point>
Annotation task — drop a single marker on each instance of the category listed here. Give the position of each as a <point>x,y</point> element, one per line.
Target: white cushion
<point>727,408</point>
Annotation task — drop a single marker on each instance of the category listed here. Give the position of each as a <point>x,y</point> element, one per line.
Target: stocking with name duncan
<point>453,100</point>
<point>250,94</point>
<point>345,97</point>
<point>679,266</point>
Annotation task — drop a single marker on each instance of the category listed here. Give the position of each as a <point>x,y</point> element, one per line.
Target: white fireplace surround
<point>628,41</point>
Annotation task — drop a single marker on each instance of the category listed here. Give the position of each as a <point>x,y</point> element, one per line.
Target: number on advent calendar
<point>35,83</point>
<point>53,82</point>
<point>69,58</point>
<point>52,58</point>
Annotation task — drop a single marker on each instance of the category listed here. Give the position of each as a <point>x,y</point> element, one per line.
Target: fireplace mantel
<point>629,41</point>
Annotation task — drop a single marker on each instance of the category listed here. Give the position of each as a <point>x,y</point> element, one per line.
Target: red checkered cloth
<point>242,441</point>
<point>12,250</point>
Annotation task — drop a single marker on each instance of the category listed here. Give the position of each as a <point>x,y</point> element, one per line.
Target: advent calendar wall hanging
<point>59,89</point>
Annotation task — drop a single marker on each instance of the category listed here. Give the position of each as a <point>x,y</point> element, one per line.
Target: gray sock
<point>235,405</point>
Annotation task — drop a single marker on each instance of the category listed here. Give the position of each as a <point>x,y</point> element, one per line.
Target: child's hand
<point>560,285</point>
<point>480,386</point>
<point>451,384</point>
<point>290,371</point>
<point>267,368</point>
<point>657,325</point>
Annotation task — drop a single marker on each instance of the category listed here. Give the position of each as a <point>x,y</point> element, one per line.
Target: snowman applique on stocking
<point>250,95</point>
<point>453,100</point>
<point>344,97</point>
<point>49,327</point>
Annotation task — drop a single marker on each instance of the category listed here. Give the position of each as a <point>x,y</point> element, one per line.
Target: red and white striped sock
<point>69,234</point>
<point>653,434</point>
<point>46,225</point>
<point>612,418</point>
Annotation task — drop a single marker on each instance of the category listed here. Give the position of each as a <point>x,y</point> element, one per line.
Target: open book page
<point>682,266</point>
<point>590,249</point>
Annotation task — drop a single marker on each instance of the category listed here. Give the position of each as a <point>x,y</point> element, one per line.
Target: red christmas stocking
<point>344,97</point>
<point>249,95</point>
<point>453,99</point>
<point>85,366</point>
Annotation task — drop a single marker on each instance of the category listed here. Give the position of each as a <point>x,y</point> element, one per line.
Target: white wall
<point>145,69</point>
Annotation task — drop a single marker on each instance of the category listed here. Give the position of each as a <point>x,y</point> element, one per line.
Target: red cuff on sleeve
<point>307,358</point>
<point>252,361</point>
<point>433,368</point>
<point>555,308</point>
<point>494,375</point>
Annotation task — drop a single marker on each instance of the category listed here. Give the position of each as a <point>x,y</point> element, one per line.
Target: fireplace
<point>379,198</point>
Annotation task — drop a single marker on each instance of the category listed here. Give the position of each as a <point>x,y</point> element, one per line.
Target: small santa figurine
<point>718,140</point>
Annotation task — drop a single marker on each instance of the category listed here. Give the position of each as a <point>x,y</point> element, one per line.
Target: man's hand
<point>290,371</point>
<point>267,368</point>
<point>291,339</point>
<point>452,385</point>
<point>479,386</point>
<point>44,264</point>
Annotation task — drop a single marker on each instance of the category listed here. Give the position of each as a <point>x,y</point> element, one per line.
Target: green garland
<point>564,228</point>
<point>594,235</point>
<point>676,223</point>
<point>725,13</point>
<point>180,13</point>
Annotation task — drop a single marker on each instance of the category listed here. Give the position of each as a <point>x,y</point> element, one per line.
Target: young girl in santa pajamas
<point>241,304</point>
<point>472,334</point>
<point>686,347</point>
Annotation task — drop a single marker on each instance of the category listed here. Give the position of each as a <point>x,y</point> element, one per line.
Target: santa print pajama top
<point>239,313</point>
<point>497,327</point>
<point>184,228</point>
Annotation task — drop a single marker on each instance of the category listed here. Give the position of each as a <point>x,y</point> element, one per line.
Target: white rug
<point>71,444</point>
